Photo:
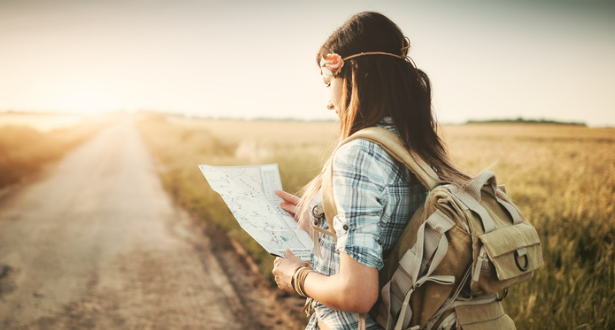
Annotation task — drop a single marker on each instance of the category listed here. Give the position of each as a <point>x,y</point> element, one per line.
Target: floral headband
<point>331,64</point>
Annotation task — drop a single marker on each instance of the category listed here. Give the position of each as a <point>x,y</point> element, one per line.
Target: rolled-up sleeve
<point>358,187</point>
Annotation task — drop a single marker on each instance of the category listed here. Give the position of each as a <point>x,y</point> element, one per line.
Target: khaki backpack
<point>462,247</point>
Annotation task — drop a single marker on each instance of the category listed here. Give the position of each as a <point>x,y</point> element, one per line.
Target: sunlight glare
<point>85,100</point>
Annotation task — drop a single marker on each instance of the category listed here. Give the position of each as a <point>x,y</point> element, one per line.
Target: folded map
<point>249,192</point>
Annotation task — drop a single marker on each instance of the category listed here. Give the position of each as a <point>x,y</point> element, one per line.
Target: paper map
<point>249,192</point>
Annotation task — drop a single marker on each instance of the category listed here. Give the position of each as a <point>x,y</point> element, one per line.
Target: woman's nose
<point>330,106</point>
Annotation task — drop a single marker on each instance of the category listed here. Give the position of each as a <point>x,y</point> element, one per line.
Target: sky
<point>541,59</point>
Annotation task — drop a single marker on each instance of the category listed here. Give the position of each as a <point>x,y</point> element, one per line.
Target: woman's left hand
<point>284,269</point>
<point>290,203</point>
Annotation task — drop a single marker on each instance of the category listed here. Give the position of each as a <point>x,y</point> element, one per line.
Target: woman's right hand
<point>285,268</point>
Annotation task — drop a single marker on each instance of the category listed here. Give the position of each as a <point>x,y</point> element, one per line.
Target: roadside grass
<point>25,149</point>
<point>562,178</point>
<point>180,145</point>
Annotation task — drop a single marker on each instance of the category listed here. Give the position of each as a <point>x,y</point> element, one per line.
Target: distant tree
<point>521,120</point>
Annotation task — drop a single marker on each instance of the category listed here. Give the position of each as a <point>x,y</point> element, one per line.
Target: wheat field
<point>562,178</point>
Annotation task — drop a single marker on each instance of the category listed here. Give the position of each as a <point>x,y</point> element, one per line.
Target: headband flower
<point>331,64</point>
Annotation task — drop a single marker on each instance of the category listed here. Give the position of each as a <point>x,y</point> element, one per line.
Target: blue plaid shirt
<point>375,197</point>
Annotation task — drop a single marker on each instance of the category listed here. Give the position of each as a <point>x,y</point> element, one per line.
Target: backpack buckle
<point>517,257</point>
<point>504,294</point>
<point>318,213</point>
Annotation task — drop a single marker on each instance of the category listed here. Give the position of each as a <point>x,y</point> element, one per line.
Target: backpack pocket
<point>513,253</point>
<point>483,317</point>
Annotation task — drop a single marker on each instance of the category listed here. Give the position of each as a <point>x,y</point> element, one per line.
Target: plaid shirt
<point>375,197</point>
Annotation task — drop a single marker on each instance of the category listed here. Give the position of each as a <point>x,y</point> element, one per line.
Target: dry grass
<point>43,122</point>
<point>27,142</point>
<point>180,145</point>
<point>562,177</point>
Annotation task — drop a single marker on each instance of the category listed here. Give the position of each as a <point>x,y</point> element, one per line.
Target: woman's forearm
<point>353,289</point>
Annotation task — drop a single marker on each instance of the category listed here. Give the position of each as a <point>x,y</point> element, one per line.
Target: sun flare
<point>85,99</point>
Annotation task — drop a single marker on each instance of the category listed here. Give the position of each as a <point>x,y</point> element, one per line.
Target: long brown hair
<point>379,86</point>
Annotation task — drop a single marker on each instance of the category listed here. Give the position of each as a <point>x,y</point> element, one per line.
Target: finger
<point>288,197</point>
<point>290,208</point>
<point>293,260</point>
<point>276,265</point>
<point>288,253</point>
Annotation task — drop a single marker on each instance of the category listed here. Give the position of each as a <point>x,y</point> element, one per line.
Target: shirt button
<point>345,227</point>
<point>379,241</point>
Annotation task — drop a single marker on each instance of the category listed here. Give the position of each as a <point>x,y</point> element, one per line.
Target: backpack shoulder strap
<point>394,147</point>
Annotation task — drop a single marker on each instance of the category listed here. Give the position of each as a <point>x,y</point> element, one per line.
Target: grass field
<point>562,177</point>
<point>43,122</point>
<point>29,141</point>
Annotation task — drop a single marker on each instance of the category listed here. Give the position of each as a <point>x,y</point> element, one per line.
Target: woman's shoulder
<point>358,147</point>
<point>367,156</point>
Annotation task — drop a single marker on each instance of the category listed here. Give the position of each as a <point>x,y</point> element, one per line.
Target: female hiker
<point>372,82</point>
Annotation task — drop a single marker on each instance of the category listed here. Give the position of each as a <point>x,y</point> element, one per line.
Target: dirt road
<point>97,244</point>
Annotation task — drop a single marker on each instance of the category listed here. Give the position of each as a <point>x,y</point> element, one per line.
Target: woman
<point>372,82</point>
